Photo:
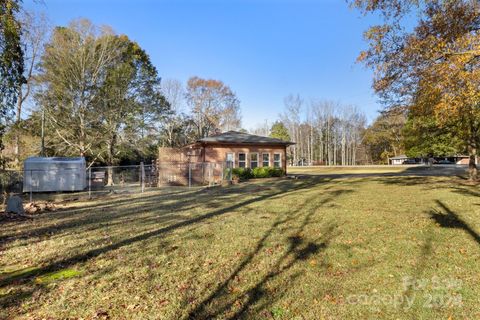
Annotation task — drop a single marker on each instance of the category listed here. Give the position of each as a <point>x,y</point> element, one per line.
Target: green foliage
<point>277,313</point>
<point>11,57</point>
<point>267,172</point>
<point>129,102</point>
<point>423,137</point>
<point>101,95</point>
<point>257,173</point>
<point>242,173</point>
<point>383,138</point>
<point>279,131</point>
<point>57,275</point>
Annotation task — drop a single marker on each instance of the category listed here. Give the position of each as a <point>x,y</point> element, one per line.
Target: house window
<point>277,160</point>
<point>253,160</point>
<point>229,159</point>
<point>265,159</point>
<point>242,160</point>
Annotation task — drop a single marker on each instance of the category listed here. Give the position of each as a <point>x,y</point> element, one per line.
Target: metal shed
<point>42,174</point>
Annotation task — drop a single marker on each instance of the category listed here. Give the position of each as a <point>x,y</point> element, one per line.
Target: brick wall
<point>173,163</point>
<point>218,153</point>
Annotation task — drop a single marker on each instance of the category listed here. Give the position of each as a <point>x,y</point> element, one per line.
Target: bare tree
<point>174,92</point>
<point>35,28</point>
<point>73,69</point>
<point>291,119</point>
<point>262,129</point>
<point>176,125</point>
<point>212,105</point>
<point>327,133</point>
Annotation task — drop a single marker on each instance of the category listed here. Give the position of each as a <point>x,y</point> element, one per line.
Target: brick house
<point>232,148</point>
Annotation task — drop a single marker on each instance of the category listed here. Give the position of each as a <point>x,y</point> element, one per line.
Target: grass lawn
<point>402,169</point>
<point>334,248</point>
<point>345,169</point>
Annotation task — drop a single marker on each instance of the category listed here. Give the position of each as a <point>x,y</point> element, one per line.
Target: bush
<point>242,173</point>
<point>277,172</point>
<point>267,172</point>
<point>259,172</point>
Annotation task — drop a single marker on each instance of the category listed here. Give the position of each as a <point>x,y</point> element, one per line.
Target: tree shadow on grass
<point>410,282</point>
<point>123,210</point>
<point>466,190</point>
<point>406,181</point>
<point>221,303</point>
<point>449,219</point>
<point>94,215</point>
<point>279,189</point>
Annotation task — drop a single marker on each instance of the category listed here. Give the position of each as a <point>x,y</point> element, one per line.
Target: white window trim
<point>279,160</point>
<point>233,153</point>
<point>268,158</point>
<point>250,161</point>
<point>246,159</point>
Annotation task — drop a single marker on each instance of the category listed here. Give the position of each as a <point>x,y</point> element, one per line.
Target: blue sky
<point>264,49</point>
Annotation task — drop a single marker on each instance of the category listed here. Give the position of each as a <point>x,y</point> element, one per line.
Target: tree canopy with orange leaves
<point>430,67</point>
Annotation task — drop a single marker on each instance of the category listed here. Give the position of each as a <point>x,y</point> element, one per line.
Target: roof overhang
<point>282,144</point>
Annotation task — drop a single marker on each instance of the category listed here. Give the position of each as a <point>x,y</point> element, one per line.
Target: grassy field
<point>345,169</point>
<point>401,169</point>
<point>335,248</point>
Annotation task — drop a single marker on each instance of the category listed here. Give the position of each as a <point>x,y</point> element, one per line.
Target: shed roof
<point>400,157</point>
<point>235,137</point>
<point>54,159</point>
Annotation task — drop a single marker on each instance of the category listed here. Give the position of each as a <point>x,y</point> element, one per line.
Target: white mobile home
<point>42,174</point>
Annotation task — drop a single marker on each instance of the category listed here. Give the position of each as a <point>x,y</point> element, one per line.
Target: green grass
<point>383,169</point>
<point>280,249</point>
<point>346,169</point>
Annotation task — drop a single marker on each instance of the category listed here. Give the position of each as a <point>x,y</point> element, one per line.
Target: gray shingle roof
<point>400,157</point>
<point>236,137</point>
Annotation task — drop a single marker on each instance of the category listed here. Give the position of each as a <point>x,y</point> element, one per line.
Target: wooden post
<point>189,174</point>
<point>90,183</point>
<point>142,176</point>
<point>31,187</point>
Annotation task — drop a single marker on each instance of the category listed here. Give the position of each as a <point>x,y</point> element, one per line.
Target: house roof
<point>235,137</point>
<point>400,157</point>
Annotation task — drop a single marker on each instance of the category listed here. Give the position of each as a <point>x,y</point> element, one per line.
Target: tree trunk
<point>16,149</point>
<point>472,166</point>
<point>110,176</point>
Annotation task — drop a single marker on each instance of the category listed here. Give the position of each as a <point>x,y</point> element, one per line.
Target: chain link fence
<point>65,184</point>
<point>191,173</point>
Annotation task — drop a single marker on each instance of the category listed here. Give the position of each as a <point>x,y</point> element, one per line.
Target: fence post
<point>90,183</point>
<point>31,186</point>
<point>189,175</point>
<point>210,182</point>
<point>142,176</point>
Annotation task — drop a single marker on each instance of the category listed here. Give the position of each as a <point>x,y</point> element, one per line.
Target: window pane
<point>253,160</point>
<point>241,157</point>
<point>277,160</point>
<point>229,156</point>
<point>265,159</point>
